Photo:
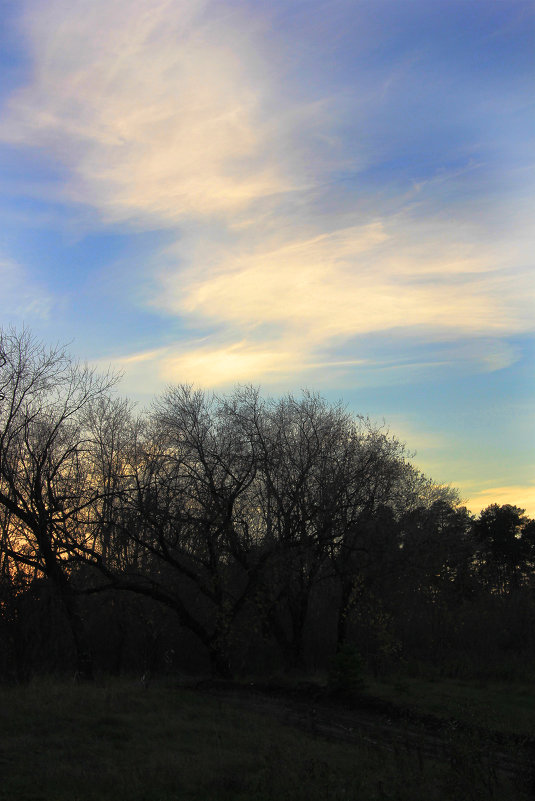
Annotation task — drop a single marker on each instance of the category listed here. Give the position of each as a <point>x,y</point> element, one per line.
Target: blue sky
<point>335,195</point>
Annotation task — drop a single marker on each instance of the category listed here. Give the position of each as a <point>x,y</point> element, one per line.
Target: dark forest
<point>236,535</point>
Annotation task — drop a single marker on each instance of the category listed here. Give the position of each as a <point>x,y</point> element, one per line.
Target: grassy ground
<point>501,706</point>
<point>62,742</point>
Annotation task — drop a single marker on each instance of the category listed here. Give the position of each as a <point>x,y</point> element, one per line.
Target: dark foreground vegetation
<point>237,536</point>
<point>116,741</point>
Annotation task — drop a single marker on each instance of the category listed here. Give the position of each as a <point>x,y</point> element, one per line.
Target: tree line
<point>235,533</point>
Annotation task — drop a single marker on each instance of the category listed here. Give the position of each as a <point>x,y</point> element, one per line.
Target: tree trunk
<point>69,600</point>
<point>343,615</point>
<point>291,648</point>
<point>83,655</point>
<point>219,662</point>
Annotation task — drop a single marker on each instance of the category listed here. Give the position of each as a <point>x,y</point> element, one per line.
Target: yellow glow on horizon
<point>521,495</point>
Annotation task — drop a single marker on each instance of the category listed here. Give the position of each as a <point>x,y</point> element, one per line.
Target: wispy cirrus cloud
<point>209,364</point>
<point>216,191</point>
<point>320,292</point>
<point>156,107</point>
<point>175,114</point>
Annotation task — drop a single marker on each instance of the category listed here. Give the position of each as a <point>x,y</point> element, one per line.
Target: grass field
<point>115,740</point>
<point>498,705</point>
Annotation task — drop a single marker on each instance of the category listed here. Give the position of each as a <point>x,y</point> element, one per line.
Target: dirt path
<point>383,725</point>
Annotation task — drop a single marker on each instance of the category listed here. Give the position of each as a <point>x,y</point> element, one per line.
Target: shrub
<point>346,671</point>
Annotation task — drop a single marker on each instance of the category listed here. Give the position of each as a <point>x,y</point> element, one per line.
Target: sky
<point>332,195</point>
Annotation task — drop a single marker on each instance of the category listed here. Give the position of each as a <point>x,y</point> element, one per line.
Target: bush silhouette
<point>346,671</point>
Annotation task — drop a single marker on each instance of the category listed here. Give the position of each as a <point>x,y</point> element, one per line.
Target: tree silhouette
<point>233,525</point>
<point>498,532</point>
<point>45,481</point>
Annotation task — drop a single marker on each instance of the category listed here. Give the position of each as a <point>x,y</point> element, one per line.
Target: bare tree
<point>300,446</point>
<point>186,515</point>
<point>46,484</point>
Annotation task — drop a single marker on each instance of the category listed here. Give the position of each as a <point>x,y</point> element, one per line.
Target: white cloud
<point>358,280</point>
<point>237,362</point>
<point>286,309</point>
<point>155,106</point>
<point>208,364</point>
<point>170,114</point>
